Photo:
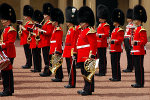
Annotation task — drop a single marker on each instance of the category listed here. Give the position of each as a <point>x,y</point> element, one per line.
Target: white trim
<point>53,41</point>
<point>83,46</point>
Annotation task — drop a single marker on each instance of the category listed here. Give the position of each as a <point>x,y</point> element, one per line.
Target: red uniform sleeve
<point>143,38</point>
<point>93,42</point>
<point>11,39</point>
<point>106,31</point>
<point>30,26</point>
<point>59,35</point>
<point>120,37</point>
<point>49,30</point>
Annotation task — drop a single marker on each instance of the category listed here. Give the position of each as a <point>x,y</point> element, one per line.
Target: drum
<point>4,60</point>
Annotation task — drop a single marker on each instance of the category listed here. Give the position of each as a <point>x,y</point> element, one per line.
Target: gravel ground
<point>30,86</point>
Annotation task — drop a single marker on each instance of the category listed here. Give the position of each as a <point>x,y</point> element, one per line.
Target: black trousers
<point>28,55</point>
<point>129,60</point>
<point>89,86</point>
<point>115,65</point>
<point>69,63</point>
<point>72,75</point>
<point>45,51</point>
<point>37,58</point>
<point>101,53</point>
<point>8,79</point>
<point>139,69</point>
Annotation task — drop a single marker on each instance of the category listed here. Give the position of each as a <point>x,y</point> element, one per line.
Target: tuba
<point>56,62</point>
<point>90,66</point>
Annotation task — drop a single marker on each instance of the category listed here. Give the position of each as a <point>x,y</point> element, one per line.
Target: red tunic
<point>69,42</point>
<point>33,41</point>
<point>86,44</point>
<point>140,36</point>
<point>129,30</point>
<point>102,35</point>
<point>46,36</point>
<point>9,37</point>
<point>117,36</point>
<point>56,40</point>
<point>25,33</point>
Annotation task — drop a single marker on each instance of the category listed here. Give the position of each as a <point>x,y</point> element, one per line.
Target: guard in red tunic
<point>102,35</point>
<point>117,37</point>
<point>139,42</point>
<point>27,13</point>
<point>46,33</point>
<point>71,21</point>
<point>127,40</point>
<point>86,45</point>
<point>8,37</point>
<point>34,43</point>
<point>57,18</point>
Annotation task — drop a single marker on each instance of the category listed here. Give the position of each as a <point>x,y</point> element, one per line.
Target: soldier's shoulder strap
<point>120,29</point>
<point>92,30</point>
<point>11,29</point>
<point>58,28</point>
<point>106,24</point>
<point>49,22</point>
<point>30,22</point>
<point>142,29</point>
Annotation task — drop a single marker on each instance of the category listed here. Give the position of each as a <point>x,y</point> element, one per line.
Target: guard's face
<point>45,16</point>
<point>115,24</point>
<point>102,20</point>
<point>53,23</point>
<point>137,22</point>
<point>3,21</point>
<point>129,20</point>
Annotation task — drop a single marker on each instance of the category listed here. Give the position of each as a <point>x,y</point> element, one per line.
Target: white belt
<point>83,46</point>
<point>53,41</point>
<point>134,51</point>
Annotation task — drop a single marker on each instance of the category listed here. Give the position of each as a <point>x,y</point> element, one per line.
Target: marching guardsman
<point>57,18</point>
<point>36,51</point>
<point>8,37</point>
<point>46,33</point>
<point>102,35</point>
<point>86,45</point>
<point>117,37</point>
<point>127,40</point>
<point>139,42</point>
<point>71,21</point>
<point>27,13</point>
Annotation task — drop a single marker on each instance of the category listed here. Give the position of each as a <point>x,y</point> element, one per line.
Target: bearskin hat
<point>28,11</point>
<point>86,15</point>
<point>47,8</point>
<point>118,16</point>
<point>38,16</point>
<point>7,12</point>
<point>71,15</point>
<point>57,15</point>
<point>139,13</point>
<point>102,12</point>
<point>129,13</point>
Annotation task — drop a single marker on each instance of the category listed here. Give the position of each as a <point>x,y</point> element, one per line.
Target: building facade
<point>62,4</point>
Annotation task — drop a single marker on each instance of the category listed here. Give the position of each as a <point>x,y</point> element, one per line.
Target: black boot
<point>46,72</point>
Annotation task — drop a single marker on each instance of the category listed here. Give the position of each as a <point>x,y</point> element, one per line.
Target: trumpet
<point>56,62</point>
<point>19,22</point>
<point>90,66</point>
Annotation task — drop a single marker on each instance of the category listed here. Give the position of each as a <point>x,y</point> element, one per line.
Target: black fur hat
<point>118,16</point>
<point>28,11</point>
<point>129,13</point>
<point>102,12</point>
<point>71,15</point>
<point>7,12</point>
<point>57,15</point>
<point>86,15</point>
<point>38,16</point>
<point>47,8</point>
<point>139,13</point>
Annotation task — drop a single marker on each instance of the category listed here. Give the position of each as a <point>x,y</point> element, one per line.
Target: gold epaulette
<point>120,29</point>
<point>50,22</point>
<point>142,29</point>
<point>11,29</point>
<point>58,29</point>
<point>30,22</point>
<point>106,24</point>
<point>92,30</point>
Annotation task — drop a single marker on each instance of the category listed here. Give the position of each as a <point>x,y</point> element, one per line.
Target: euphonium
<point>56,62</point>
<point>89,66</point>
